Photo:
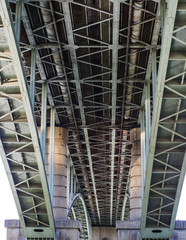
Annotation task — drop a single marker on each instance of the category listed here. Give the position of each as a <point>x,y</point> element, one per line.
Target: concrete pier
<point>66,229</point>
<point>60,171</point>
<point>130,230</point>
<point>135,178</point>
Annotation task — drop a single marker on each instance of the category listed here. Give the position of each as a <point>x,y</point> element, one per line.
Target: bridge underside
<point>102,68</point>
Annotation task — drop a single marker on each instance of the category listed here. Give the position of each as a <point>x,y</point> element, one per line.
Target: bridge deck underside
<point>95,57</point>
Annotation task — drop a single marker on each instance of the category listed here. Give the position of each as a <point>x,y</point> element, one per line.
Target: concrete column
<point>65,229</point>
<point>60,171</point>
<point>135,180</point>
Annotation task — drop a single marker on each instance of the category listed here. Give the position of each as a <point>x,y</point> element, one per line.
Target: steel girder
<point>68,24</point>
<point>86,55</point>
<point>166,164</point>
<point>19,143</point>
<point>78,211</point>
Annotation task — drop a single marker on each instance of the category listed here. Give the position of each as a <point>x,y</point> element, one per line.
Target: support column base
<point>66,229</point>
<point>127,229</point>
<point>130,230</point>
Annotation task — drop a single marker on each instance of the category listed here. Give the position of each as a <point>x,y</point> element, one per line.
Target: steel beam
<point>68,24</point>
<point>147,117</point>
<point>165,231</point>
<point>43,120</point>
<point>19,69</point>
<point>40,67</point>
<point>146,91</point>
<point>52,146</point>
<point>84,217</point>
<point>162,14</point>
<point>18,19</point>
<point>68,179</point>
<point>124,207</point>
<point>32,77</point>
<point>154,41</point>
<point>115,40</point>
<point>154,73</point>
<point>143,150</point>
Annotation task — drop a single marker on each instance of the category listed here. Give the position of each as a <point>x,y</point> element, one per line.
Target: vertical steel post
<point>162,15</point>
<point>18,15</point>
<point>147,117</point>
<point>52,145</point>
<point>154,73</point>
<point>75,183</point>
<point>68,182</point>
<point>124,207</point>
<point>71,182</point>
<point>43,120</point>
<point>33,76</point>
<point>143,153</point>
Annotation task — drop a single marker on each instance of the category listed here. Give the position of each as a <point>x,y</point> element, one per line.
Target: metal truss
<point>166,164</point>
<point>102,103</point>
<point>19,142</point>
<point>92,62</point>
<point>78,211</point>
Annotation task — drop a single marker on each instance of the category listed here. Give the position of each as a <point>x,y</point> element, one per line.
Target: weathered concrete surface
<point>13,230</point>
<point>180,230</point>
<point>127,229</point>
<point>106,233</point>
<point>130,229</point>
<point>67,229</point>
<point>135,176</point>
<point>60,170</point>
